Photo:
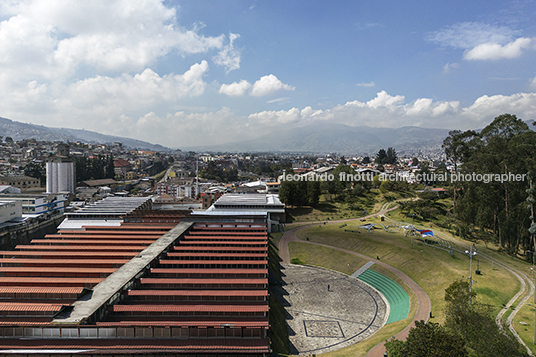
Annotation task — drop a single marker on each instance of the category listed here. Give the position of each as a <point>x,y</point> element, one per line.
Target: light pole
<point>471,252</point>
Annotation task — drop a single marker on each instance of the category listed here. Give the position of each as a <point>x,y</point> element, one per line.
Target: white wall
<point>10,210</point>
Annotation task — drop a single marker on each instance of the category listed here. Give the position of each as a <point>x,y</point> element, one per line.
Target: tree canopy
<point>495,206</point>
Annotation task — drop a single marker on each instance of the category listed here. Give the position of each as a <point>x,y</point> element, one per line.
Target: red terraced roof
<point>247,255</point>
<point>223,239</point>
<point>81,269</point>
<point>186,247</point>
<point>187,307</point>
<point>79,247</point>
<point>103,236</point>
<point>40,290</point>
<point>40,281</point>
<point>198,293</point>
<point>209,271</point>
<point>25,321</point>
<point>212,262</point>
<point>232,230</point>
<point>227,243</point>
<point>70,254</point>
<point>226,234</point>
<point>24,306</point>
<point>63,261</point>
<point>221,281</point>
<point>118,231</point>
<point>227,226</point>
<point>142,225</point>
<point>88,241</point>
<point>253,345</point>
<point>187,323</point>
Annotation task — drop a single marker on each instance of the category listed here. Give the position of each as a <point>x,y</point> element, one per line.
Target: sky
<point>191,73</point>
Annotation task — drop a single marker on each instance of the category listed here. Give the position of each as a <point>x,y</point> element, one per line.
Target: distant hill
<point>19,131</point>
<point>326,138</point>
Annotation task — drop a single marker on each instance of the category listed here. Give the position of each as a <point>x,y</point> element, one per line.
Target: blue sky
<point>187,73</point>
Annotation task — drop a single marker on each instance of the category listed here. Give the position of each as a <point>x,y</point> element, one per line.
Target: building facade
<point>10,210</point>
<point>60,177</point>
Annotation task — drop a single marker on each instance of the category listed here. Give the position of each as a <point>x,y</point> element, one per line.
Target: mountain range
<point>317,138</point>
<point>339,138</point>
<point>19,131</point>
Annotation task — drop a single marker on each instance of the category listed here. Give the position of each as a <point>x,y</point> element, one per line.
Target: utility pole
<point>471,252</point>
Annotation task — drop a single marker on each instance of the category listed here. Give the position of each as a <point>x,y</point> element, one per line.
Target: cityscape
<point>282,178</point>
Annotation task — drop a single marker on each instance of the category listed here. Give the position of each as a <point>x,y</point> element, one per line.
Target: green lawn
<point>332,210</point>
<point>431,268</point>
<point>526,330</point>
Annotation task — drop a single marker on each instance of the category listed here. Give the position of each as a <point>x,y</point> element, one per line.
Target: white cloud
<point>390,111</point>
<point>481,41</point>
<point>533,83</point>
<point>471,34</point>
<point>53,38</point>
<point>229,57</point>
<point>494,51</point>
<point>370,84</point>
<point>134,92</point>
<point>79,104</point>
<point>265,86</point>
<point>385,100</point>
<point>488,107</point>
<point>449,67</point>
<point>189,129</point>
<point>268,85</point>
<point>278,100</point>
<point>235,89</point>
<point>276,117</point>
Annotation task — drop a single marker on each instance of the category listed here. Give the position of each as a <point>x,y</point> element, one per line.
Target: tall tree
<point>427,339</point>
<point>495,206</point>
<point>391,156</point>
<point>381,156</point>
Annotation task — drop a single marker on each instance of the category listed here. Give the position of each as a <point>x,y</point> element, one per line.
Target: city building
<point>60,177</point>
<point>36,204</point>
<point>233,204</point>
<point>10,210</point>
<point>25,183</point>
<point>9,189</point>
<point>60,171</point>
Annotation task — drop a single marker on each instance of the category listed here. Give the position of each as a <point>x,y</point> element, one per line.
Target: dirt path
<point>424,304</point>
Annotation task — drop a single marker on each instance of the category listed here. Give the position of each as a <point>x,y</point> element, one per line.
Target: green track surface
<point>396,296</point>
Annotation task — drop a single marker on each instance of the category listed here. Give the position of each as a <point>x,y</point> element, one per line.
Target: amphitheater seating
<point>396,296</point>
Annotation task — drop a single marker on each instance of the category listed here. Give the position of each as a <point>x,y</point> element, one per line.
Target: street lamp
<point>471,252</point>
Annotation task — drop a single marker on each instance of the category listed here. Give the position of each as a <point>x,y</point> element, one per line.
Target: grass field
<point>332,210</point>
<point>431,268</point>
<point>524,324</point>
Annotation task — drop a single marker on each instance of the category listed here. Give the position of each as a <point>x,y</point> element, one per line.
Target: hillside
<point>20,131</point>
<point>325,138</point>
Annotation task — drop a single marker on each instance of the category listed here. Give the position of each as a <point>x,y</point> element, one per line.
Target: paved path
<point>424,306</point>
